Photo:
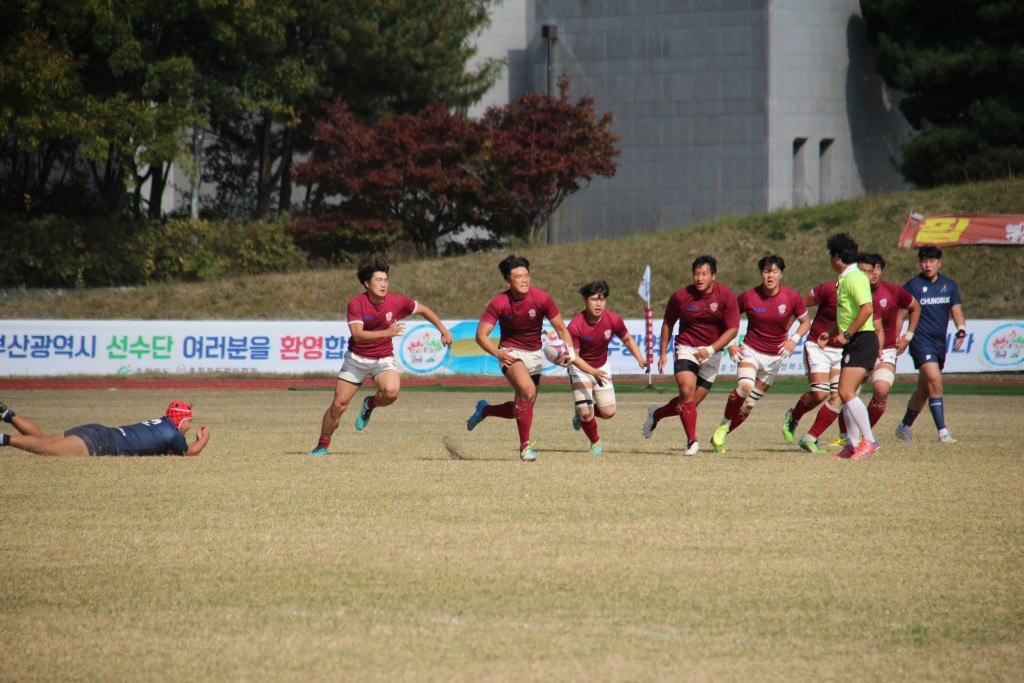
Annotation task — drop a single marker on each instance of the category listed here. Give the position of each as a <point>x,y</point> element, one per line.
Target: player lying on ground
<point>590,374</point>
<point>159,436</point>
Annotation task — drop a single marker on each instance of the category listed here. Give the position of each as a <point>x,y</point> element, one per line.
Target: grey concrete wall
<point>687,84</point>
<point>823,89</point>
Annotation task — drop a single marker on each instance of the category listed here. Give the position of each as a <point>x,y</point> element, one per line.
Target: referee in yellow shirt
<point>855,332</point>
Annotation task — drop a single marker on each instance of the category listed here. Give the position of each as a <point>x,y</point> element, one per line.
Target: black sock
<point>5,439</point>
<point>910,416</point>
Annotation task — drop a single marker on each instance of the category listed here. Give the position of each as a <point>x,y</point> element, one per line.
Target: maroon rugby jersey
<point>520,322</point>
<point>702,317</point>
<point>887,299</point>
<point>769,317</point>
<point>825,317</point>
<point>593,340</point>
<point>377,317</point>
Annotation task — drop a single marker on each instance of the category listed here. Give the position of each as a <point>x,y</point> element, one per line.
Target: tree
<point>536,152</point>
<point>409,171</point>
<point>960,64</point>
<point>376,55</point>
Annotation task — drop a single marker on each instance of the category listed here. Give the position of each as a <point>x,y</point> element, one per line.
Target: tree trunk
<point>265,178</point>
<point>157,184</point>
<point>287,148</point>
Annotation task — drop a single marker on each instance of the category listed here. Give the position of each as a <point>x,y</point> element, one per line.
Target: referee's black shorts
<point>861,351</point>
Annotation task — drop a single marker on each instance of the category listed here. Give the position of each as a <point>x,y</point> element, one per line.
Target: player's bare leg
<point>55,444</point>
<point>343,393</point>
<point>928,392</point>
<point>388,383</point>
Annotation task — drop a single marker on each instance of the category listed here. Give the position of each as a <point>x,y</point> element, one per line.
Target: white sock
<point>856,413</point>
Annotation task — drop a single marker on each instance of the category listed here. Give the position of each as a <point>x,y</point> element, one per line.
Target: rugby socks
<point>590,429</point>
<point>5,439</point>
<point>323,443</point>
<point>668,410</point>
<point>804,405</point>
<point>935,405</point>
<point>371,404</point>
<point>732,406</point>
<point>857,414</point>
<point>909,417</point>
<point>688,416</point>
<point>506,410</point>
<point>6,414</point>
<point>524,421</point>
<point>826,416</point>
<point>876,409</point>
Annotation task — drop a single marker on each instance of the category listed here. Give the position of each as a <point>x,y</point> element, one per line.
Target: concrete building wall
<point>832,123</point>
<point>687,84</point>
<point>508,38</point>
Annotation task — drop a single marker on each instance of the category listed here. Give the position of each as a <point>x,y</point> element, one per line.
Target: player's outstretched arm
<point>433,319</point>
<point>202,438</point>
<point>634,349</point>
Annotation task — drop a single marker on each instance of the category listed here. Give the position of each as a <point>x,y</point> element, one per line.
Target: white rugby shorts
<point>355,368</point>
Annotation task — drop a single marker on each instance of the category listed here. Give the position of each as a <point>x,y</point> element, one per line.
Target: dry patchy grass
<point>390,560</point>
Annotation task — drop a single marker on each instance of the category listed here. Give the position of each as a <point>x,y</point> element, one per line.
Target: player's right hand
<point>397,329</point>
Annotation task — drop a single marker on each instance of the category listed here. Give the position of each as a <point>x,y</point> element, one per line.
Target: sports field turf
<point>398,558</point>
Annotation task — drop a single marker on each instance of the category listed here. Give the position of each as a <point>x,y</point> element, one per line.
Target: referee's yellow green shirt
<point>853,290</point>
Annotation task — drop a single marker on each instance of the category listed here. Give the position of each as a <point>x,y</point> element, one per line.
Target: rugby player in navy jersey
<point>939,298</point>
<point>160,436</point>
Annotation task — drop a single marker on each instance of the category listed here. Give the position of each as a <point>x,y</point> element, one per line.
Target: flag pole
<point>645,293</point>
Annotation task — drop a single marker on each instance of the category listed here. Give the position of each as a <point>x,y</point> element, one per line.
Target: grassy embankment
<point>459,288</point>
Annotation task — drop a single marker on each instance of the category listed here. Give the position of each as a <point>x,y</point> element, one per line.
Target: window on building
<point>825,171</point>
<point>799,172</point>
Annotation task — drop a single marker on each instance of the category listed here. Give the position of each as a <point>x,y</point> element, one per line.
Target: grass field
<point>389,560</point>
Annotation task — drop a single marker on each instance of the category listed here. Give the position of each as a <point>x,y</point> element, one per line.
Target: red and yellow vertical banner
<point>947,231</point>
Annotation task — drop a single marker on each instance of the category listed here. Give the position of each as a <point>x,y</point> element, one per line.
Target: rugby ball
<point>557,352</point>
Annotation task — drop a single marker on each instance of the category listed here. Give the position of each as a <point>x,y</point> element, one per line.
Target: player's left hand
<point>787,348</point>
<point>446,338</point>
<point>960,336</point>
<point>901,345</point>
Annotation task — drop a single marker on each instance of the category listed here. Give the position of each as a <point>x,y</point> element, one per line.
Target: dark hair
<point>928,252</point>
<point>705,260</point>
<point>510,263</point>
<point>843,246</point>
<point>370,265</point>
<point>769,261</point>
<point>871,259</point>
<point>596,287</point>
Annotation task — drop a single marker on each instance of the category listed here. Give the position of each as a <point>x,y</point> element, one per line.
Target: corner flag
<point>645,294</point>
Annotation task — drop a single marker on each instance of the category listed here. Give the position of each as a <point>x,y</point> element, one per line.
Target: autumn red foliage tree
<point>409,172</point>
<point>537,151</point>
<point>432,174</point>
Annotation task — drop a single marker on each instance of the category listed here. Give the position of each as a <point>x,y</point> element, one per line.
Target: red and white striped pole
<point>650,346</point>
<point>645,293</point>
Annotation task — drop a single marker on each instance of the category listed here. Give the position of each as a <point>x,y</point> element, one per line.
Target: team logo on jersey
<point>884,303</point>
<point>607,334</point>
<point>924,289</point>
<point>782,309</point>
<point>533,312</point>
<point>945,288</point>
<point>714,307</point>
<point>388,317</point>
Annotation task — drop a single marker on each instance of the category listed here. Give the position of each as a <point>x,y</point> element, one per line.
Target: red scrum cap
<point>178,411</point>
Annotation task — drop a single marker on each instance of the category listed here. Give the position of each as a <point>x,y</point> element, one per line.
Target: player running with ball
<point>590,373</point>
<point>519,311</point>
<point>708,318</point>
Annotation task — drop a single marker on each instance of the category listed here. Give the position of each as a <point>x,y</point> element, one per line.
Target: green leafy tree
<point>536,152</point>
<point>960,64</point>
<point>376,55</point>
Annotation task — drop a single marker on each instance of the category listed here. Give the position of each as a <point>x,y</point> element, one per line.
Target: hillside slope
<point>990,277</point>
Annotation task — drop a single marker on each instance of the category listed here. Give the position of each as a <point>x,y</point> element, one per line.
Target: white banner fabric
<point>179,347</point>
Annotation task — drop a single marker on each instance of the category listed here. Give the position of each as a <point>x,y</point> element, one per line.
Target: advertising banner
<point>177,347</point>
<point>947,231</point>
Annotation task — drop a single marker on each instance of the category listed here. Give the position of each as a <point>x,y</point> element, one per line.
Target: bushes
<point>53,251</point>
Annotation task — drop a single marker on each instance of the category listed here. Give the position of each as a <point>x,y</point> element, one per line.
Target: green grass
<point>459,288</point>
<point>389,560</point>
